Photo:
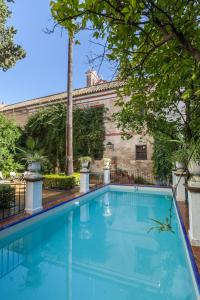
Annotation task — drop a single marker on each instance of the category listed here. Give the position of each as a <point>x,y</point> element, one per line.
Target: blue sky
<point>44,70</point>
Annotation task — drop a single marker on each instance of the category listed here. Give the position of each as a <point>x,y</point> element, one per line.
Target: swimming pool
<point>97,247</point>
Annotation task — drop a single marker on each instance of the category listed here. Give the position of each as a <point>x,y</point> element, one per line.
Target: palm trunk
<point>69,121</point>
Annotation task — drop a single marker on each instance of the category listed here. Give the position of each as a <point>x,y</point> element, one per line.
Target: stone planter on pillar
<point>194,210</point>
<point>33,202</point>
<point>84,180</point>
<point>180,180</point>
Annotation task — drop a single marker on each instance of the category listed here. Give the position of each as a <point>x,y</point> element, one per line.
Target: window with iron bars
<point>141,152</point>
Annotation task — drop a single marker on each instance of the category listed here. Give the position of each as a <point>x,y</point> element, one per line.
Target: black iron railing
<point>133,177</point>
<point>96,179</point>
<point>12,199</point>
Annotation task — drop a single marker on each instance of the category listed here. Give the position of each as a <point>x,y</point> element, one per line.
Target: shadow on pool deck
<point>54,197</point>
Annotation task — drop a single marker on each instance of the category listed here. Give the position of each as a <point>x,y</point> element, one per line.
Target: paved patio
<point>53,197</point>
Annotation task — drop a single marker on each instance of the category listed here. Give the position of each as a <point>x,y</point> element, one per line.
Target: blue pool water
<point>98,250</point>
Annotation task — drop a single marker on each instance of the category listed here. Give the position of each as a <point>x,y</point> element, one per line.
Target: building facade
<point>131,155</point>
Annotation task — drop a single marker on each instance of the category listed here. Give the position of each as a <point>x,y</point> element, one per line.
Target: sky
<point>44,70</point>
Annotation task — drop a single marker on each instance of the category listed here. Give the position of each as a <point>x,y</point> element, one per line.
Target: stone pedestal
<point>106,172</point>
<point>33,202</point>
<point>174,178</point>
<point>180,180</point>
<point>194,210</point>
<point>84,180</point>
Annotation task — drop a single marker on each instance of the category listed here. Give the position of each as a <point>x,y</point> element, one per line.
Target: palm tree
<point>69,120</point>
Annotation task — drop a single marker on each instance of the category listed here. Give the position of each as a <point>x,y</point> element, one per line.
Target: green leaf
<point>77,42</point>
<point>125,10</point>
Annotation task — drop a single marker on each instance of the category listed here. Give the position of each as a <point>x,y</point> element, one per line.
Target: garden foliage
<point>48,127</point>
<point>9,137</point>
<point>7,196</point>
<point>162,158</point>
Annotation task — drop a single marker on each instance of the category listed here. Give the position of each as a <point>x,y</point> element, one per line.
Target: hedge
<point>59,181</point>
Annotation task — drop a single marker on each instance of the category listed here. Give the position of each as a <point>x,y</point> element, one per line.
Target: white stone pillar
<point>84,181</point>
<point>180,185</point>
<point>33,200</point>
<point>194,210</point>
<point>106,175</point>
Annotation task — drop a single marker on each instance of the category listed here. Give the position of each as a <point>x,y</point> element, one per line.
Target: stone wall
<point>20,117</point>
<point>123,155</point>
<point>124,152</point>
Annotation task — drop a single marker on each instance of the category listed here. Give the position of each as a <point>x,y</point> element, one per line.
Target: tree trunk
<point>69,121</point>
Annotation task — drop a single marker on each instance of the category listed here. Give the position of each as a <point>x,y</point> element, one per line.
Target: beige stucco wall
<point>20,117</point>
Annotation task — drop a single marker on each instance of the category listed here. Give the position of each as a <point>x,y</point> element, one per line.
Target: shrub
<point>7,196</point>
<point>140,180</point>
<point>121,172</point>
<point>77,177</point>
<point>60,181</point>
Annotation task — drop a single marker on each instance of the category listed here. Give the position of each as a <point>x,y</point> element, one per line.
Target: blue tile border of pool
<point>189,248</point>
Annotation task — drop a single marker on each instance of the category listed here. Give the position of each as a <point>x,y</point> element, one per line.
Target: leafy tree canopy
<point>157,47</point>
<point>9,51</point>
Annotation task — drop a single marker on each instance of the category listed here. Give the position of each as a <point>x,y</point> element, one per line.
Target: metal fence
<point>96,179</point>
<point>12,199</point>
<point>133,177</point>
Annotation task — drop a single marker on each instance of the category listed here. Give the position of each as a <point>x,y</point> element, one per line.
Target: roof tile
<point>56,97</point>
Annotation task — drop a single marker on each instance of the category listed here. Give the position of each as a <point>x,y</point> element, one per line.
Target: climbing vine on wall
<point>47,126</point>
<point>162,158</point>
<point>89,132</point>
